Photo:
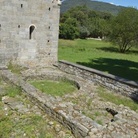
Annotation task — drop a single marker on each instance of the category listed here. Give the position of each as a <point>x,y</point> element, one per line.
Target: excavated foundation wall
<point>120,85</point>
<point>64,112</point>
<point>80,125</point>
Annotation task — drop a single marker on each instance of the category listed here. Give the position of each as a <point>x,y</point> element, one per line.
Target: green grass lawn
<point>100,55</point>
<point>54,88</point>
<point>117,99</point>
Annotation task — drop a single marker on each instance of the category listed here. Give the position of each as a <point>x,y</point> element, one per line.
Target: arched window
<point>31,30</point>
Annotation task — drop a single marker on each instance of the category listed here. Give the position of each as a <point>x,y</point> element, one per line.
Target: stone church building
<point>29,32</point>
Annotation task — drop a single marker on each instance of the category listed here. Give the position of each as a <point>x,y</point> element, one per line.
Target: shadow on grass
<point>118,67</point>
<point>122,68</point>
<point>116,50</point>
<point>109,49</point>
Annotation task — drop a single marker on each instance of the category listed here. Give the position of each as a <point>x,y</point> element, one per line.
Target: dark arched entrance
<point>31,30</point>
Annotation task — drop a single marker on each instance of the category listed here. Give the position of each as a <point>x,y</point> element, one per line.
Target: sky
<point>127,3</point>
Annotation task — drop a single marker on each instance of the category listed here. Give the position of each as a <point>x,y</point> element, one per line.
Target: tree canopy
<point>125,29</point>
<point>82,22</point>
<point>91,4</point>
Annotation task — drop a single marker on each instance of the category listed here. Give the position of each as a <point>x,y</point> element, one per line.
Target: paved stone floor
<point>122,125</point>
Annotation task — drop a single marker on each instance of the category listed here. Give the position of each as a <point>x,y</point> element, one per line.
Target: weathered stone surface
<point>65,111</point>
<point>21,118</point>
<point>14,104</point>
<point>119,85</point>
<point>62,134</point>
<point>29,36</point>
<point>2,91</point>
<point>57,128</point>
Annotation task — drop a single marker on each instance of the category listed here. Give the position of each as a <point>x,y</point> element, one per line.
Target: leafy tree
<point>125,29</point>
<point>82,22</point>
<point>80,13</point>
<point>69,29</point>
<point>104,28</point>
<point>84,32</point>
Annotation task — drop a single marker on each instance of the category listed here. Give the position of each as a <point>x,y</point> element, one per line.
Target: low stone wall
<point>80,125</point>
<point>70,114</point>
<point>120,85</point>
<point>2,67</point>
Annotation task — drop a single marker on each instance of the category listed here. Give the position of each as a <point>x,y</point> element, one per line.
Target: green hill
<point>94,5</point>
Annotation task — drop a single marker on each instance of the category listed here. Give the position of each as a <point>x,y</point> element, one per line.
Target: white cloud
<point>112,3</point>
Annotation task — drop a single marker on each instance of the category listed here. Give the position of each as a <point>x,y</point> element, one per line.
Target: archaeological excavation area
<point>87,110</point>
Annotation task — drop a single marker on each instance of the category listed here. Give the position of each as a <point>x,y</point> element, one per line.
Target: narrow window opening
<point>48,41</point>
<point>49,8</point>
<point>21,5</point>
<point>31,30</point>
<point>49,27</point>
<point>19,26</point>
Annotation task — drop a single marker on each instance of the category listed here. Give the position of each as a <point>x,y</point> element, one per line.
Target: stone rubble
<point>83,112</point>
<point>19,106</point>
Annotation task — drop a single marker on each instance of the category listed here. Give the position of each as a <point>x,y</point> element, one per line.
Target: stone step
<point>3,67</point>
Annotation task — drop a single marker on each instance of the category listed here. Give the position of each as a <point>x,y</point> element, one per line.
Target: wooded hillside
<point>93,5</point>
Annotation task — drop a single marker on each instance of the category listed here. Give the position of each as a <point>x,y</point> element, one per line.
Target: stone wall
<point>80,125</point>
<point>120,85</point>
<point>29,32</point>
<point>123,124</point>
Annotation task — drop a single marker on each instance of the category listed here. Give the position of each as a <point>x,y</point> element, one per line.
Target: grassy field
<point>54,88</point>
<point>117,98</point>
<point>23,119</point>
<point>100,55</point>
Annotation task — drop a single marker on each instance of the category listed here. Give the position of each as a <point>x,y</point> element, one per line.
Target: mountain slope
<point>94,5</point>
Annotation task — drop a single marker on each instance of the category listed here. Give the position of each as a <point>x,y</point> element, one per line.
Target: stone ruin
<point>29,37</point>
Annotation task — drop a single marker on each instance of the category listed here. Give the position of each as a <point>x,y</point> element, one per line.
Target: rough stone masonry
<point>29,32</point>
